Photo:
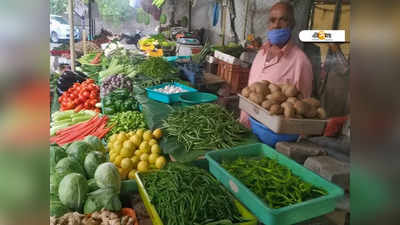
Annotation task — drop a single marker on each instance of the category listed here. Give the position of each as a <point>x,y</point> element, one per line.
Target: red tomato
<point>78,108</point>
<point>78,88</point>
<point>97,110</point>
<point>82,98</point>
<point>90,81</point>
<point>93,95</point>
<point>93,102</point>
<point>70,105</point>
<point>72,95</point>
<point>75,85</point>
<point>86,94</point>
<point>76,101</point>
<point>87,105</point>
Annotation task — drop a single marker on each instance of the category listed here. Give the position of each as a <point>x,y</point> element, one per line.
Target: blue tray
<point>269,137</point>
<point>167,98</point>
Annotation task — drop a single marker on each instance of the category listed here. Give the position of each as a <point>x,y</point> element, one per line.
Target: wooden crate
<point>236,76</point>
<point>279,124</point>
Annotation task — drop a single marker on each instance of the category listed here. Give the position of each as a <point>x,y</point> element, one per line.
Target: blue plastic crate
<point>167,98</point>
<point>267,136</point>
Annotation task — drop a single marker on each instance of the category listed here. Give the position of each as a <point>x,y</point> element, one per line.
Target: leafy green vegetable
<point>107,176</point>
<point>55,180</point>
<point>92,185</point>
<point>69,165</point>
<point>185,195</point>
<point>72,191</point>
<point>105,198</point>
<point>272,182</point>
<point>156,67</point>
<point>120,100</point>
<point>92,161</point>
<point>95,143</point>
<point>79,150</point>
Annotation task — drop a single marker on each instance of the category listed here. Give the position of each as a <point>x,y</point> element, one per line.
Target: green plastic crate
<point>282,216</point>
<point>156,220</point>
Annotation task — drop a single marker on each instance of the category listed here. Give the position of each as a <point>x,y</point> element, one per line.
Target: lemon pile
<point>136,151</point>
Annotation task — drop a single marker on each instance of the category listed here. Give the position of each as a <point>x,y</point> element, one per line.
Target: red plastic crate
<point>236,76</point>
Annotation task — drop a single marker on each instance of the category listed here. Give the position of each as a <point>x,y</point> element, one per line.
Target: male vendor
<point>279,60</point>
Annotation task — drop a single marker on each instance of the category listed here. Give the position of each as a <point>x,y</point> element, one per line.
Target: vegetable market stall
<point>111,141</point>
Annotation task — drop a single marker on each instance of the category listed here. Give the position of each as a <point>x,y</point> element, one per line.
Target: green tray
<point>156,220</point>
<point>282,216</point>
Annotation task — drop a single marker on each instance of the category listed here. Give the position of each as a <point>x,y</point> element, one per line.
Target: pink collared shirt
<point>287,65</point>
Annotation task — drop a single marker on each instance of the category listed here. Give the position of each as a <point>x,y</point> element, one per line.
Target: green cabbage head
<point>92,161</point>
<point>72,191</point>
<point>107,176</point>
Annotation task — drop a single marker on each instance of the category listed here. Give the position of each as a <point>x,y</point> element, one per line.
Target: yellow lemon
<point>117,151</point>
<point>143,166</point>
<point>156,149</point>
<point>145,147</point>
<point>110,145</point>
<point>144,157</point>
<point>126,163</point>
<point>153,142</point>
<point>152,158</point>
<point>117,161</point>
<point>117,145</point>
<point>128,144</point>
<point>123,173</point>
<point>120,171</point>
<point>147,135</point>
<point>139,132</point>
<point>138,152</point>
<point>136,139</point>
<point>135,160</point>
<point>160,162</point>
<point>131,133</point>
<point>127,152</point>
<point>122,136</point>
<point>131,174</point>
<point>112,138</point>
<point>112,157</point>
<point>157,133</point>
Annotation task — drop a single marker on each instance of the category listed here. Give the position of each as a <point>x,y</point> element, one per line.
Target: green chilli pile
<point>185,195</point>
<point>272,182</point>
<point>205,127</point>
<point>126,121</point>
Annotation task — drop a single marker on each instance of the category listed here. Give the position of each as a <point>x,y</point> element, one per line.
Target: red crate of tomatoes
<point>81,96</point>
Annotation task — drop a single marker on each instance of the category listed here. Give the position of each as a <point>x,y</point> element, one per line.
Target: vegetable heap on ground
<point>126,121</point>
<point>156,67</point>
<point>205,127</point>
<point>96,126</point>
<point>64,119</point>
<point>80,96</point>
<point>104,217</point>
<point>114,82</point>
<point>185,195</point>
<point>136,151</point>
<point>272,182</point>
<point>81,180</point>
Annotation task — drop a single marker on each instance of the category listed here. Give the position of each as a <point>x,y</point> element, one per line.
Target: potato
<point>289,112</point>
<point>267,104</point>
<point>291,91</point>
<point>246,92</point>
<point>313,102</point>
<point>261,89</point>
<point>283,87</point>
<point>256,98</point>
<point>267,83</point>
<point>275,110</point>
<point>311,113</point>
<point>321,113</point>
<point>252,87</point>
<point>287,105</point>
<point>292,100</point>
<point>274,88</point>
<point>278,96</point>
<point>301,107</point>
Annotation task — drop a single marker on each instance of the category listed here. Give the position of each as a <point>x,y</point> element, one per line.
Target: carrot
<point>96,59</point>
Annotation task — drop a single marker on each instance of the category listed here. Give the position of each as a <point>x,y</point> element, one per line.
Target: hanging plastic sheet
<point>216,14</point>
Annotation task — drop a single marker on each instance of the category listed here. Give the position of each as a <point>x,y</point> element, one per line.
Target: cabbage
<point>55,180</point>
<point>56,154</point>
<point>79,150</point>
<point>92,161</point>
<point>72,191</point>
<point>92,185</point>
<point>69,165</point>
<point>57,209</point>
<point>95,143</point>
<point>107,176</point>
<point>102,199</point>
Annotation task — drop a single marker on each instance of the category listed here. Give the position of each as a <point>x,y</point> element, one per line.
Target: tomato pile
<point>81,96</point>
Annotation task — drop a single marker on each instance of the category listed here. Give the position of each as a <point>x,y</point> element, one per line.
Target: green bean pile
<point>184,195</point>
<point>205,127</point>
<point>272,182</point>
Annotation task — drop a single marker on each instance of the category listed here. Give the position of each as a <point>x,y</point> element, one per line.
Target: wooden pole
<point>71,33</point>
<point>223,24</point>
<point>84,41</point>
<point>190,16</point>
<point>245,19</point>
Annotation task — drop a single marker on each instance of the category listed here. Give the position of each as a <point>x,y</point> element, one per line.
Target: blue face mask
<point>279,36</point>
